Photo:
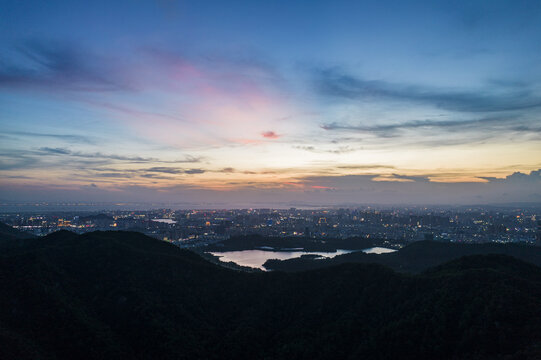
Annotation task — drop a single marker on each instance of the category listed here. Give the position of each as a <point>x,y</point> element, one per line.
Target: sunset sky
<point>271,103</point>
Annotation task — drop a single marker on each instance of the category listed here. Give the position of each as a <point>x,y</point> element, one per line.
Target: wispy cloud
<point>16,161</point>
<point>112,172</point>
<point>42,64</point>
<point>339,84</point>
<point>195,97</point>
<point>98,155</point>
<point>339,150</point>
<point>401,178</point>
<point>64,137</point>
<point>491,123</point>
<point>55,151</point>
<point>171,170</point>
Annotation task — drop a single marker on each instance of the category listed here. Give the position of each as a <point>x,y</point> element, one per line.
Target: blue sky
<point>271,102</point>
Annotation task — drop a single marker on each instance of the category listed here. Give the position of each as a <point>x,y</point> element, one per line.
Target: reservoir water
<point>378,250</point>
<point>165,221</point>
<point>256,258</point>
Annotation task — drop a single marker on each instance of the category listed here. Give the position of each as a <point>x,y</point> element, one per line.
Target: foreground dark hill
<point>124,295</point>
<point>414,258</point>
<point>7,234</point>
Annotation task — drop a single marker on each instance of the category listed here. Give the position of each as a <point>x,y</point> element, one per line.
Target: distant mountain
<point>416,257</point>
<point>125,295</point>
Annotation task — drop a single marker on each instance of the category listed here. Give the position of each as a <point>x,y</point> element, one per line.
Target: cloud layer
<point>354,101</point>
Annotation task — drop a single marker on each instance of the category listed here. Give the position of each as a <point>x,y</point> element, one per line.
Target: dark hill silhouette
<point>8,233</point>
<point>254,241</point>
<point>125,295</point>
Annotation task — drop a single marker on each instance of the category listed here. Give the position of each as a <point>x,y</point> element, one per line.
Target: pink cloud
<point>270,135</point>
<point>321,187</point>
<point>192,101</point>
<point>214,78</point>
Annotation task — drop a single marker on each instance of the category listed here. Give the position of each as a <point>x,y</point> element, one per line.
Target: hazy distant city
<point>393,226</point>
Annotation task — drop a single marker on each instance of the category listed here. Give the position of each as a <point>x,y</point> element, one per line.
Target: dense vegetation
<point>125,295</point>
<point>414,258</point>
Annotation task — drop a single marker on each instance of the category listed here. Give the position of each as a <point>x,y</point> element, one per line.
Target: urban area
<point>193,228</point>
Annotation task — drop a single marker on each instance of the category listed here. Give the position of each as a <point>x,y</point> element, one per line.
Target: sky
<point>271,103</point>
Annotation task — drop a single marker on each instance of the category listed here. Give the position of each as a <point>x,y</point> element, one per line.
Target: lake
<point>378,250</point>
<point>165,221</point>
<point>256,258</point>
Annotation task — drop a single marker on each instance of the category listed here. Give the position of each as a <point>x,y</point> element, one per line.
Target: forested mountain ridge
<point>415,257</point>
<point>121,294</point>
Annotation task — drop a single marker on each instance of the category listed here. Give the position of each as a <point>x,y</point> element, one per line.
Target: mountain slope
<point>8,235</point>
<point>120,294</point>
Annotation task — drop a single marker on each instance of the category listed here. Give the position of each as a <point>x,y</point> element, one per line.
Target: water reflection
<point>256,258</point>
<point>378,250</point>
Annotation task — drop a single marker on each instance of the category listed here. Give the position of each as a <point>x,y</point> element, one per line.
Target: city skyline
<point>272,103</point>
